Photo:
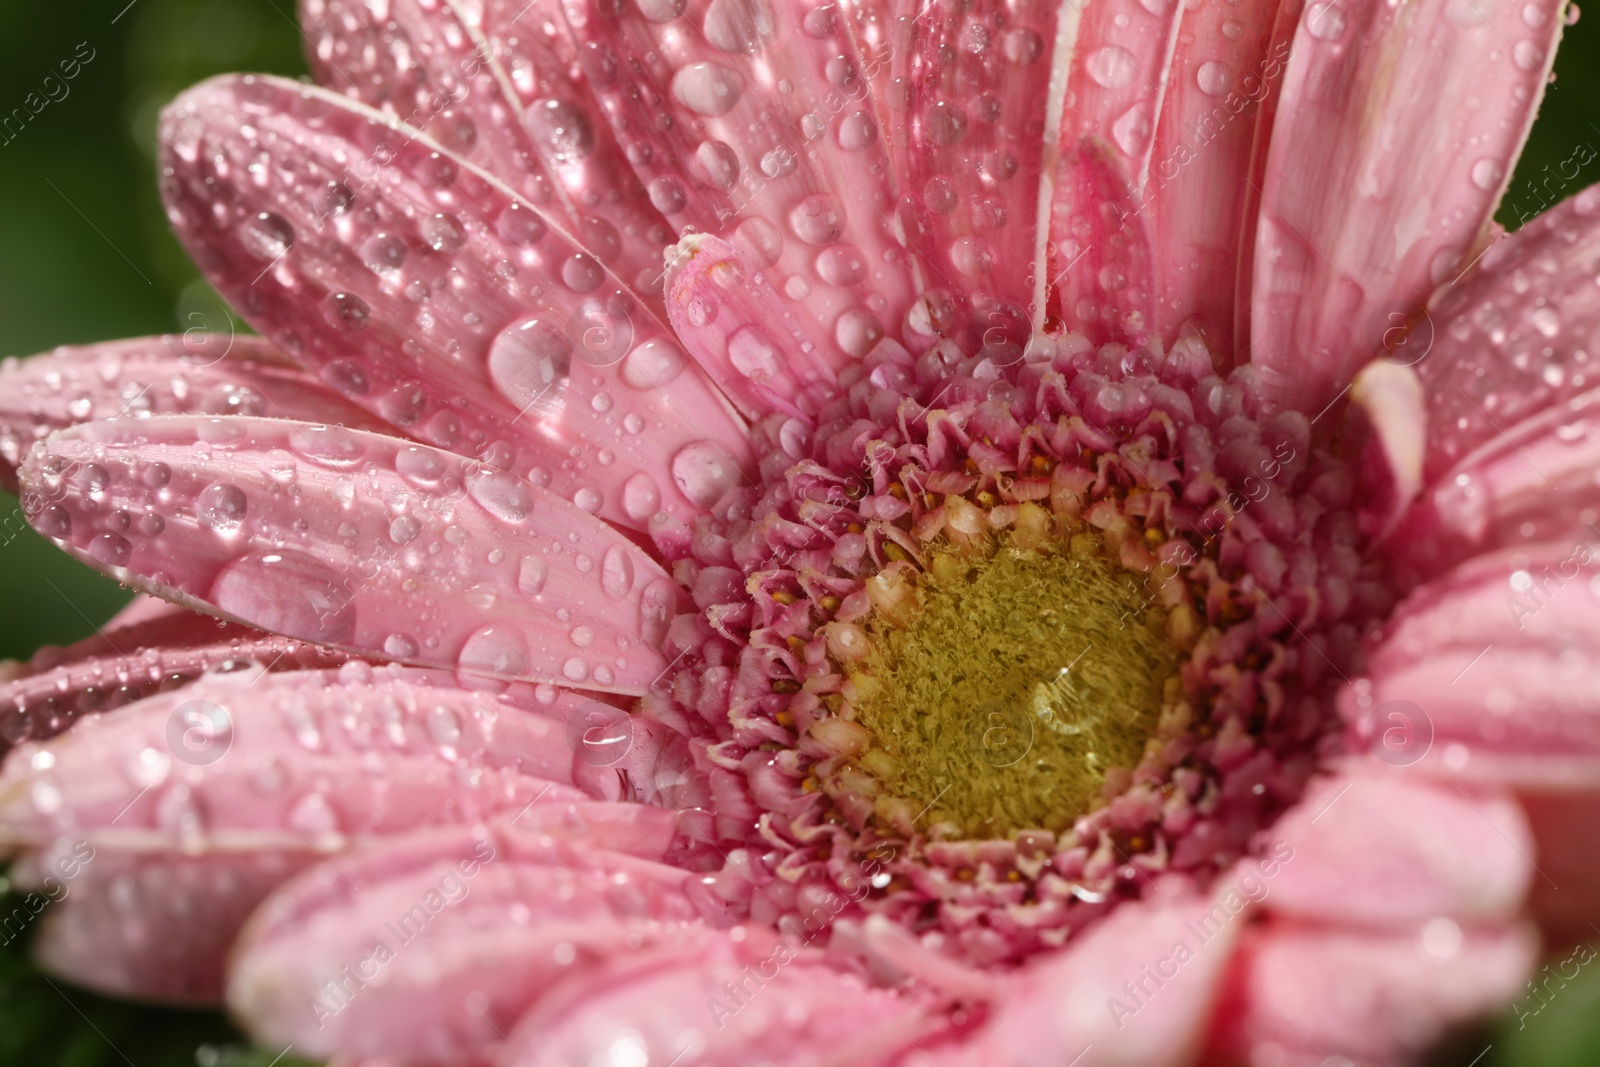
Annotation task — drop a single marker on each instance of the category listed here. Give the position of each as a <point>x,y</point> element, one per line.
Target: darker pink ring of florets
<point>1251,521</point>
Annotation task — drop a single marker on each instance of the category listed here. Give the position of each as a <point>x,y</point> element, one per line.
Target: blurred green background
<point>85,255</point>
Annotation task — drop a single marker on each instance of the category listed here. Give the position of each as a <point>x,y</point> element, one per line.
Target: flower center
<point>1024,674</point>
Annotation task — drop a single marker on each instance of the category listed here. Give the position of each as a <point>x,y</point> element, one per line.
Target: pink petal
<point>1120,52</point>
<point>1350,243</point>
<point>200,374</point>
<point>971,89</point>
<point>1303,995</point>
<point>422,289</point>
<point>418,62</point>
<point>289,761</point>
<point>1520,716</point>
<point>428,951</point>
<point>358,541</point>
<point>1510,340</point>
<point>1532,482</point>
<point>799,178</point>
<point>1135,989</point>
<point>431,66</point>
<point>127,662</point>
<point>1099,258</point>
<point>1220,93</point>
<point>153,927</point>
<point>741,331</point>
<point>1389,412</point>
<point>1382,848</point>
<point>731,1003</point>
<point>539,61</point>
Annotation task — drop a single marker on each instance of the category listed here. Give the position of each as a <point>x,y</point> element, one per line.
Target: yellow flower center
<point>1008,684</point>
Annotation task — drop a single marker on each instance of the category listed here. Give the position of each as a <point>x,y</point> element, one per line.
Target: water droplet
<point>1022,46</point>
<point>400,645</point>
<point>1546,321</point>
<point>266,236</point>
<point>1213,77</point>
<point>840,265</point>
<point>752,354</point>
<point>641,497</point>
<point>940,195</point>
<point>739,26</point>
<point>1111,67</point>
<point>582,273</point>
<point>444,725</point>
<point>494,650</point>
<point>529,363</point>
<point>660,10</point>
<point>1486,173</point>
<point>520,226</point>
<point>1132,130</point>
<point>760,240</point>
<point>970,256</point>
<point>111,549</point>
<point>818,219</point>
<point>1326,22</point>
<point>561,129</point>
<point>857,330</point>
<point>289,593</point>
<point>718,163</point>
<point>945,123</point>
<point>313,816</point>
<point>346,311</point>
<point>532,573</point>
<point>383,252</point>
<point>704,472</point>
<point>329,446</point>
<point>616,571</point>
<point>857,131</point>
<point>709,89</point>
<point>443,233</point>
<point>653,364</point>
<point>221,507</point>
<point>667,195</point>
<point>503,495</point>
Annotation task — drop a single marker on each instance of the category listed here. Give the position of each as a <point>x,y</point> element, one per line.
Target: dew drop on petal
<point>561,129</point>
<point>221,507</point>
<point>1486,173</point>
<point>709,89</point>
<point>1111,67</point>
<point>653,364</point>
<point>529,362</point>
<point>1326,22</point>
<point>1213,77</point>
<point>266,236</point>
<point>718,163</point>
<point>494,650</point>
<point>503,495</point>
<point>616,571</point>
<point>641,497</point>
<point>290,593</point>
<point>383,252</point>
<point>532,573</point>
<point>704,472</point>
<point>818,219</point>
<point>443,233</point>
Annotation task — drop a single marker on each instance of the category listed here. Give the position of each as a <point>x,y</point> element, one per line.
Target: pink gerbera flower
<point>1081,557</point>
